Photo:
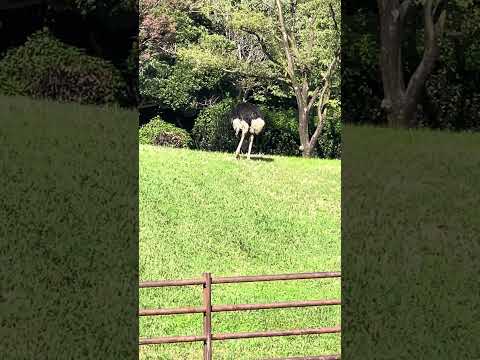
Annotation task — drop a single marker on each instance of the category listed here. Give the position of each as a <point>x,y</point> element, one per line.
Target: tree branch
<point>293,45</point>
<point>324,96</point>
<point>404,7</point>
<point>314,97</point>
<point>332,13</point>
<point>318,130</point>
<point>326,81</point>
<point>433,32</point>
<point>429,25</point>
<point>286,47</point>
<point>263,46</point>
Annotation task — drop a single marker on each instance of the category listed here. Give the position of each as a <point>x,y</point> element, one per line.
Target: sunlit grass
<point>209,212</point>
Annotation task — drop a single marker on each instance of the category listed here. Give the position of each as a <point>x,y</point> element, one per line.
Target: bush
<point>212,130</point>
<point>44,67</point>
<point>280,135</point>
<point>159,132</point>
<point>330,141</point>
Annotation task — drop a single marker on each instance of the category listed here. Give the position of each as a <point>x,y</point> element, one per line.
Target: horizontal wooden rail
<point>207,309</point>
<point>173,311</point>
<point>241,279</point>
<point>238,307</point>
<point>281,277</point>
<point>292,332</point>
<point>245,335</point>
<point>171,339</point>
<point>164,283</point>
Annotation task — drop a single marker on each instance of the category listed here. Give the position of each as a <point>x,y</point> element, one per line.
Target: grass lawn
<point>411,209</point>
<point>209,212</point>
<point>68,230</point>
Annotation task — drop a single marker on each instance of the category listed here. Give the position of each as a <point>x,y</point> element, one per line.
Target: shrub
<point>330,141</point>
<point>212,130</point>
<point>159,132</point>
<point>44,67</point>
<point>280,135</point>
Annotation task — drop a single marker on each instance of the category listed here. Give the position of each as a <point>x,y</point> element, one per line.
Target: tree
<point>301,44</point>
<point>306,99</point>
<point>196,53</point>
<point>401,97</point>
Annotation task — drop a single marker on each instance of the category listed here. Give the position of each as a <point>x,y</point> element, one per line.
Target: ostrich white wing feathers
<point>239,125</point>
<point>257,126</point>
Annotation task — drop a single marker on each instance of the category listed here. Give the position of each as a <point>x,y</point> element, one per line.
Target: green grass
<point>68,225</point>
<point>410,243</point>
<point>209,212</point>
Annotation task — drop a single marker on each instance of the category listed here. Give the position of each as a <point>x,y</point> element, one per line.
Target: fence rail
<point>207,309</point>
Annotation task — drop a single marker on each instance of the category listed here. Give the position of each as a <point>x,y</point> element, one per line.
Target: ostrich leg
<point>250,146</point>
<point>237,152</point>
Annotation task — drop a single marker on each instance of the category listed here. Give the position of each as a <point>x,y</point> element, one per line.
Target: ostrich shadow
<point>258,158</point>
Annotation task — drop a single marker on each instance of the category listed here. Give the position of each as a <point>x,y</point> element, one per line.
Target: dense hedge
<point>212,130</point>
<point>44,67</point>
<point>280,135</point>
<point>159,132</point>
<point>330,141</point>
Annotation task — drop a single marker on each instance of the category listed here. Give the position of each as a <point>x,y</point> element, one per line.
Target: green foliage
<point>213,130</point>
<point>44,67</point>
<point>360,71</point>
<point>177,86</point>
<point>330,141</point>
<point>159,132</point>
<point>280,135</point>
<point>212,53</point>
<point>186,31</point>
<point>220,50</point>
<point>174,86</point>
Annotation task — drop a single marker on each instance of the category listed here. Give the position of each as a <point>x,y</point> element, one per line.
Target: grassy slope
<point>208,212</point>
<point>67,230</point>
<point>411,209</point>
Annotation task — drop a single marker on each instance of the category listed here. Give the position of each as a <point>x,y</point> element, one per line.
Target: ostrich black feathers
<point>246,112</point>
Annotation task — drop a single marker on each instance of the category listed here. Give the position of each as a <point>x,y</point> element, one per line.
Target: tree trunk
<point>402,114</point>
<point>303,130</point>
<point>391,63</point>
<point>307,152</point>
<point>401,100</point>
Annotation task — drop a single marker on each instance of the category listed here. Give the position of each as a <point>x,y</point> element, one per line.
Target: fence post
<point>207,316</point>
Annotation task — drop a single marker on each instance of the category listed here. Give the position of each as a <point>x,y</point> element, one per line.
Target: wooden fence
<point>207,309</point>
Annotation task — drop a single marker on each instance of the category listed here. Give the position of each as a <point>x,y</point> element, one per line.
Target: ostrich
<point>246,118</point>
